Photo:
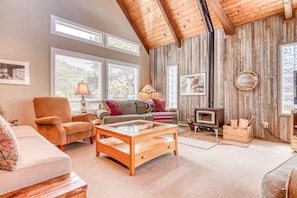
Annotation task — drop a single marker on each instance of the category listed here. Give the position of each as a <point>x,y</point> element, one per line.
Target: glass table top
<point>134,127</point>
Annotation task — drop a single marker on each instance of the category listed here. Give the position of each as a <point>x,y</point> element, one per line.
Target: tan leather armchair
<point>56,123</point>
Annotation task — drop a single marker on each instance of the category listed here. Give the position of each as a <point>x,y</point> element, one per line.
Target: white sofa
<point>39,161</point>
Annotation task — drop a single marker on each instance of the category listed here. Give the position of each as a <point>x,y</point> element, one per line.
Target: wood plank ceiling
<point>161,22</point>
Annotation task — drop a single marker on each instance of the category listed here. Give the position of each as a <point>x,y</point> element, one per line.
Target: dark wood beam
<point>288,9</point>
<point>221,15</point>
<point>173,28</point>
<point>122,6</point>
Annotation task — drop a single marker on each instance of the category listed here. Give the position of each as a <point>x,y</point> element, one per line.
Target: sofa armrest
<point>50,120</point>
<point>85,117</point>
<point>292,184</point>
<point>102,113</point>
<point>172,109</point>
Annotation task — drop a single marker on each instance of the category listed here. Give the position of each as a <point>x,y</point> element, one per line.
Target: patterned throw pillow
<point>159,105</point>
<point>9,149</point>
<point>148,106</point>
<point>113,107</point>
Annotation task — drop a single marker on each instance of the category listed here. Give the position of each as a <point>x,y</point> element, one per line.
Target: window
<point>123,80</point>
<point>70,68</point>
<point>172,86</point>
<point>72,30</point>
<point>69,29</point>
<point>122,45</point>
<point>288,66</point>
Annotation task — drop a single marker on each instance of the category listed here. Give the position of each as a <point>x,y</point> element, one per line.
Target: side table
<point>294,130</point>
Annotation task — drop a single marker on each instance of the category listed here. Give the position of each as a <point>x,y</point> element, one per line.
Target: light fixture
<point>82,89</point>
<point>148,89</point>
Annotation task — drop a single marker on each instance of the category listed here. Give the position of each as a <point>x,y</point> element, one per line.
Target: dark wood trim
<point>221,16</point>
<point>288,9</point>
<point>173,28</point>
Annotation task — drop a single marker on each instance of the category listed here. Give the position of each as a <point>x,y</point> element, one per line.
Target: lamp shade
<point>82,89</point>
<point>148,89</point>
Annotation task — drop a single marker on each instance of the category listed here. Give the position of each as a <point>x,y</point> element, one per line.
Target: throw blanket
<point>162,116</point>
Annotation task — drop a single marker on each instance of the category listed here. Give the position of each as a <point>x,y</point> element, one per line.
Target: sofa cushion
<point>76,127</point>
<point>159,105</point>
<point>40,161</point>
<point>9,149</point>
<point>113,107</point>
<point>128,107</point>
<point>122,118</point>
<point>140,106</point>
<point>148,106</point>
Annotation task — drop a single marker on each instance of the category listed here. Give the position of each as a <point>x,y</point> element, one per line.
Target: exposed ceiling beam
<point>122,6</point>
<point>221,15</point>
<point>173,28</point>
<point>288,9</point>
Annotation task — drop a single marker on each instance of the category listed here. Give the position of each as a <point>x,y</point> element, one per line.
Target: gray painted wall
<point>25,36</point>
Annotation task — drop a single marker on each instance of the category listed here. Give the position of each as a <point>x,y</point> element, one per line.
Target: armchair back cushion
<point>53,106</point>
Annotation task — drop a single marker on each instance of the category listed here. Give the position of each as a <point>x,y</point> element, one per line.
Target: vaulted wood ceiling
<point>160,22</point>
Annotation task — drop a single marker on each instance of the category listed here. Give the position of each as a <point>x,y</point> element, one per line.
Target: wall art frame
<point>14,72</point>
<point>193,84</point>
<point>246,80</point>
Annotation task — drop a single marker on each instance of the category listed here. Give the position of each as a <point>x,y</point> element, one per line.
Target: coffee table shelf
<point>136,149</point>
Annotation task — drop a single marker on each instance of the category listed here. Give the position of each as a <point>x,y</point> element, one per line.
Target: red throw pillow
<point>159,105</point>
<point>113,107</point>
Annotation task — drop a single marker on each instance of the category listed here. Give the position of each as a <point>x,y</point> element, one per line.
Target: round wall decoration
<point>246,80</point>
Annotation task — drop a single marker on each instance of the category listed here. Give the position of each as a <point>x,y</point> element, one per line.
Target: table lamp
<point>82,89</point>
<point>148,89</point>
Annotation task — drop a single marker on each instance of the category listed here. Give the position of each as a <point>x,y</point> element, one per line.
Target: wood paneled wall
<point>254,46</point>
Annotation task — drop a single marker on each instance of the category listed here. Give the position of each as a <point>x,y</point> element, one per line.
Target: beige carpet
<point>228,142</point>
<point>196,143</point>
<point>224,171</point>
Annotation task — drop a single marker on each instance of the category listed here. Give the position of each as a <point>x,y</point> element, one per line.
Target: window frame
<point>56,51</point>
<point>125,64</point>
<point>109,36</point>
<point>53,22</point>
<point>290,82</point>
<point>168,86</point>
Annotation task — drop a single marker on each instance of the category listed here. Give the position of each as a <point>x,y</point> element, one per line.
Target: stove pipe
<point>210,51</point>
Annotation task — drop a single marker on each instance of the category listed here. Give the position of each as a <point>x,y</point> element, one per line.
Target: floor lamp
<point>148,89</point>
<point>82,89</point>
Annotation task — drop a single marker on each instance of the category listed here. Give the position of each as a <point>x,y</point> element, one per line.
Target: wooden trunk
<point>238,134</point>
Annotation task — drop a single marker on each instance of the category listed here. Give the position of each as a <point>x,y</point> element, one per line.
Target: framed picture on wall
<point>193,84</point>
<point>14,72</point>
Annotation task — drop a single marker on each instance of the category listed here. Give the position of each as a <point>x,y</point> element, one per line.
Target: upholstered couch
<point>281,182</point>
<point>38,161</point>
<point>125,110</point>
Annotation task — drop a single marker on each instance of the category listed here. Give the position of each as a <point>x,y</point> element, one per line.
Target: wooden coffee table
<point>136,142</point>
